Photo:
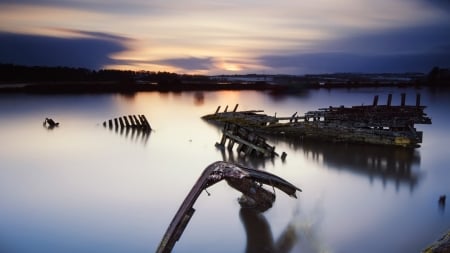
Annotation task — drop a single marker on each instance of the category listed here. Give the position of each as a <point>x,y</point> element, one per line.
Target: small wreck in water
<point>376,124</point>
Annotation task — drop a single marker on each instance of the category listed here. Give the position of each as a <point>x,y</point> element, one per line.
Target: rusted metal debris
<point>246,180</point>
<point>375,124</point>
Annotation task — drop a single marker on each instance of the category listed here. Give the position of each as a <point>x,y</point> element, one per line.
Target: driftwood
<point>246,180</point>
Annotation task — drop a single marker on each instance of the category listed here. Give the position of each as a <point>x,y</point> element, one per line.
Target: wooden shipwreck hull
<point>375,124</point>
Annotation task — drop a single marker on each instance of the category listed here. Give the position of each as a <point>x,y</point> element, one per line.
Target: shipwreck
<point>376,124</point>
<point>246,180</point>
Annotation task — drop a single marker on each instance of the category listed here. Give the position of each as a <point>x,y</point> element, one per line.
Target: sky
<point>228,37</point>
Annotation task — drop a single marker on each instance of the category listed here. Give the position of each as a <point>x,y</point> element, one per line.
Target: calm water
<point>83,188</point>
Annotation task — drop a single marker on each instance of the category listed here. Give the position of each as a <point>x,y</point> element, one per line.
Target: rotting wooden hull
<point>312,130</point>
<point>320,131</point>
<point>374,124</point>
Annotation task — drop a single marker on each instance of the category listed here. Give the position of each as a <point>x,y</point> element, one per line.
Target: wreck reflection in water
<point>133,134</point>
<point>251,161</point>
<point>387,163</point>
<point>84,188</point>
<point>259,234</point>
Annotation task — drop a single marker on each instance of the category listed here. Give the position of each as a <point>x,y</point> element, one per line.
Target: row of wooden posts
<point>402,102</point>
<point>130,121</point>
<point>135,127</point>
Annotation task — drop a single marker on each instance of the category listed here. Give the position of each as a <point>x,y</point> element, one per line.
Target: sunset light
<point>194,36</point>
<point>270,125</point>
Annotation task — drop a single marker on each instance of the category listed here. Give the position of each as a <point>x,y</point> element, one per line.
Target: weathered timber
<point>130,121</point>
<point>375,124</point>
<point>134,127</point>
<point>248,181</point>
<point>145,122</point>
<point>248,142</point>
<point>440,246</point>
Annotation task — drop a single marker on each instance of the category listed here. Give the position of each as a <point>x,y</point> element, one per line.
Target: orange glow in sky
<point>196,36</point>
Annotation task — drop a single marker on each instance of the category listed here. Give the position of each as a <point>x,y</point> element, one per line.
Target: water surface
<point>84,188</point>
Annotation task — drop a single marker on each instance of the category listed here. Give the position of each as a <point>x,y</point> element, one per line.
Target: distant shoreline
<point>64,80</point>
<point>118,87</point>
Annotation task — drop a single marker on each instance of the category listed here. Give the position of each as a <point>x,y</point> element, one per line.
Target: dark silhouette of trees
<point>16,73</point>
<point>439,76</point>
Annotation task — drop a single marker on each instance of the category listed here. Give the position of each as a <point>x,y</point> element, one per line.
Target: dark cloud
<point>97,35</point>
<point>93,53</point>
<point>441,4</point>
<point>414,49</point>
<point>346,62</point>
<point>190,63</point>
<point>401,40</point>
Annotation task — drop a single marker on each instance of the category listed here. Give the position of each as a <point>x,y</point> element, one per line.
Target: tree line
<point>18,73</point>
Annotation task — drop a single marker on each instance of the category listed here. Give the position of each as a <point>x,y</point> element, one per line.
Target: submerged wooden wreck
<point>376,124</point>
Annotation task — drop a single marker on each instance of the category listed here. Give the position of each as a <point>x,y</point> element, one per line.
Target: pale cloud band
<point>213,37</point>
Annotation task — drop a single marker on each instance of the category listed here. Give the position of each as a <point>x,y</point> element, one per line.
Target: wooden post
<point>375,100</point>
<point>127,123</point>
<point>116,123</point>
<point>389,101</point>
<point>230,144</point>
<point>240,147</point>
<point>217,111</point>
<point>131,121</point>
<point>145,121</point>
<point>223,140</point>
<point>226,108</point>
<point>110,124</point>
<point>138,122</point>
<point>293,117</point>
<point>403,99</point>
<point>418,99</point>
<point>121,123</point>
<point>235,108</point>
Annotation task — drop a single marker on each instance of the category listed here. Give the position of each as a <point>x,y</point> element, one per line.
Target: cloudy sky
<point>225,37</point>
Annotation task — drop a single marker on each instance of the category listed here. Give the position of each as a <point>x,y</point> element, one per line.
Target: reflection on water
<point>84,188</point>
<point>137,135</point>
<point>259,234</point>
<point>249,161</point>
<point>389,164</point>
